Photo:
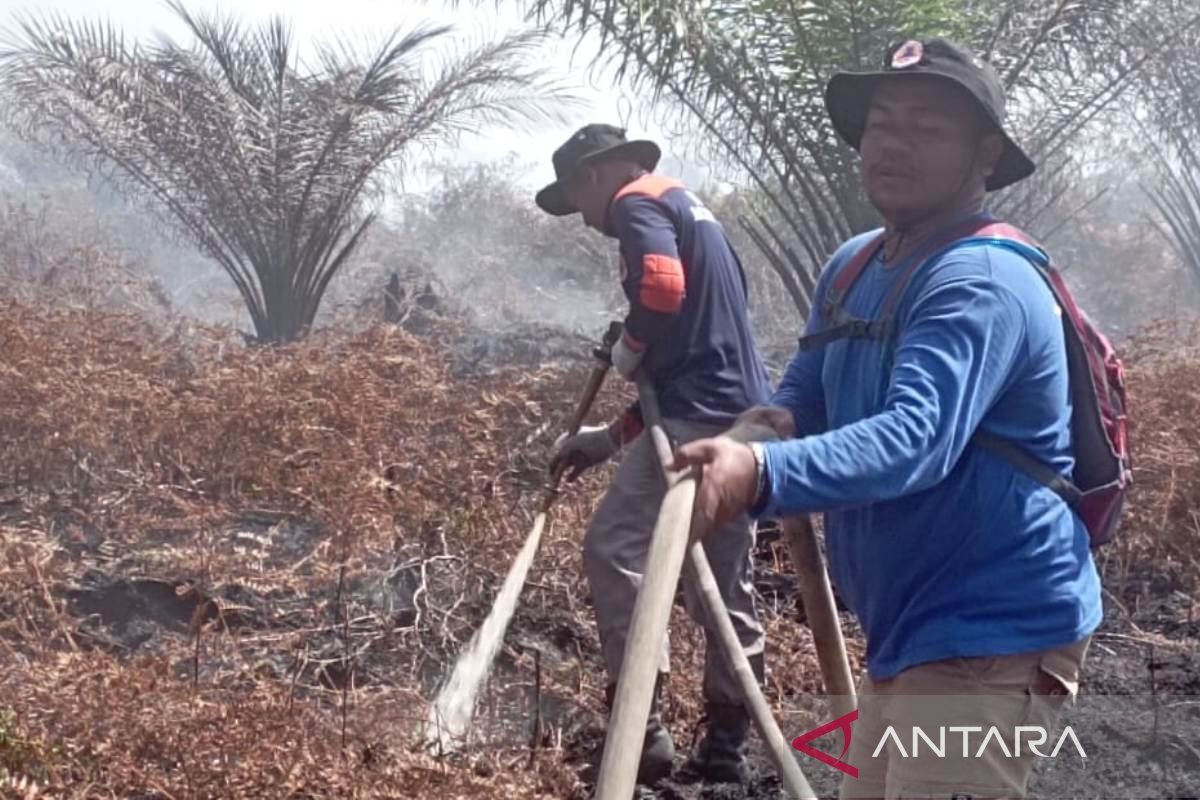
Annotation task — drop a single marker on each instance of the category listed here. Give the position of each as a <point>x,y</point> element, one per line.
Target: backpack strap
<point>974,229</point>
<point>839,325</point>
<point>968,230</point>
<point>1023,462</point>
<point>1002,230</point>
<point>850,329</point>
<point>849,274</point>
<point>1015,239</point>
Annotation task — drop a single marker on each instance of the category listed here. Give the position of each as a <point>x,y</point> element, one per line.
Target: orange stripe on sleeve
<point>651,185</point>
<point>663,284</point>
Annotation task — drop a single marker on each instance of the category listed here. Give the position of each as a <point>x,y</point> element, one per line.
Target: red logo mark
<point>842,723</point>
<point>910,53</point>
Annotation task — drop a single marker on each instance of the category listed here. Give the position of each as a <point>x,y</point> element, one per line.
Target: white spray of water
<point>450,715</point>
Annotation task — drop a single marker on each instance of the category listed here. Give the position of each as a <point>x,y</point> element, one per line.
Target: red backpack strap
<point>973,227</point>
<point>1099,411</point>
<point>1002,230</point>
<point>838,326</point>
<point>934,246</point>
<point>833,318</point>
<point>850,273</point>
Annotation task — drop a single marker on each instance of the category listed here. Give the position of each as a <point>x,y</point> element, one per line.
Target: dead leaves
<point>18,787</point>
<point>260,470</point>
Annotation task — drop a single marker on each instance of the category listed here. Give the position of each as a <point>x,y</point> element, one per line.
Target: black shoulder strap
<point>849,273</point>
<point>879,329</point>
<point>840,327</point>
<point>1022,461</point>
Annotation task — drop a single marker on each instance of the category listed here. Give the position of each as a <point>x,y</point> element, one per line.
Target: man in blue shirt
<point>968,576</point>
<point>688,331</point>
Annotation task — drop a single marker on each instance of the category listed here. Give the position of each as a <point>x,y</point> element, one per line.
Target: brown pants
<point>614,558</point>
<point>1004,693</point>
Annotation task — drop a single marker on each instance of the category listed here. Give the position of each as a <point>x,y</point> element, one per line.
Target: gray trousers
<point>614,558</point>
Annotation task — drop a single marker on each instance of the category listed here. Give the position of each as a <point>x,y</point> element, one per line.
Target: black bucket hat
<point>589,144</point>
<point>848,96</point>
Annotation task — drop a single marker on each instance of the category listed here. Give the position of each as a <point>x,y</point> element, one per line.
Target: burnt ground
<point>1143,659</point>
<point>1140,668</point>
<point>1114,718</point>
<point>1138,713</point>
<point>174,622</point>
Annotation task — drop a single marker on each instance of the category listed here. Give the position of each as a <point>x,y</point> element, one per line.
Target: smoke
<point>62,210</point>
<point>472,238</point>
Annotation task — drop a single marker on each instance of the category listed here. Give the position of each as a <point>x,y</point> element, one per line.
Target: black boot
<point>720,756</point>
<point>658,751</point>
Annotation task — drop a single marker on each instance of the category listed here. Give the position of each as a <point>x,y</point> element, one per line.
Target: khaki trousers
<point>614,558</point>
<point>1004,693</point>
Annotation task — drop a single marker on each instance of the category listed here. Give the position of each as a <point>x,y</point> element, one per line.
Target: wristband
<point>760,479</point>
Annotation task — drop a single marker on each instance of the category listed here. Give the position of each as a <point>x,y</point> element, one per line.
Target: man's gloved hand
<point>576,454</point>
<point>762,424</point>
<point>626,359</point>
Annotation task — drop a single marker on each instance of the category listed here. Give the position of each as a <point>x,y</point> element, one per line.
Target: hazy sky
<point>315,19</point>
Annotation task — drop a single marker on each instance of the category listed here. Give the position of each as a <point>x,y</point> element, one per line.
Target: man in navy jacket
<point>688,332</point>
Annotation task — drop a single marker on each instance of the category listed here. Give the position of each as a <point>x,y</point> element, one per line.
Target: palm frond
<point>265,162</point>
<point>749,76</point>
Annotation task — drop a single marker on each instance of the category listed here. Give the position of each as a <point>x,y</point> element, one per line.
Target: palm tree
<point>749,75</point>
<point>1176,196</point>
<point>266,161</point>
<point>1171,178</point>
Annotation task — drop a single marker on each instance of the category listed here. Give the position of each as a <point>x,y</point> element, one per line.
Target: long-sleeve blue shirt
<point>940,548</point>
<point>687,303</point>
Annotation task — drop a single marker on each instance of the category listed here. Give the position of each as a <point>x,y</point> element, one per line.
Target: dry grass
<point>143,460</point>
<point>48,256</point>
<point>1160,551</point>
<point>330,520</point>
<point>385,466</point>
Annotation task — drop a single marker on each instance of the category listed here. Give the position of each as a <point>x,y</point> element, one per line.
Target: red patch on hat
<point>908,54</point>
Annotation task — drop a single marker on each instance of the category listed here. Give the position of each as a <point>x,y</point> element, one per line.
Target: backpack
<point>1103,470</point>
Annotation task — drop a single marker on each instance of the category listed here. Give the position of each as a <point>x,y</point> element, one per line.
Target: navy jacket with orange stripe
<point>687,303</point>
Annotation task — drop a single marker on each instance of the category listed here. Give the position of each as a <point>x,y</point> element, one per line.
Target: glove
<point>584,450</point>
<point>763,424</point>
<point>626,359</point>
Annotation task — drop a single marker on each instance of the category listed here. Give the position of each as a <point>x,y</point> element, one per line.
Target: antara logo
<point>843,724</point>
<point>1032,737</point>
